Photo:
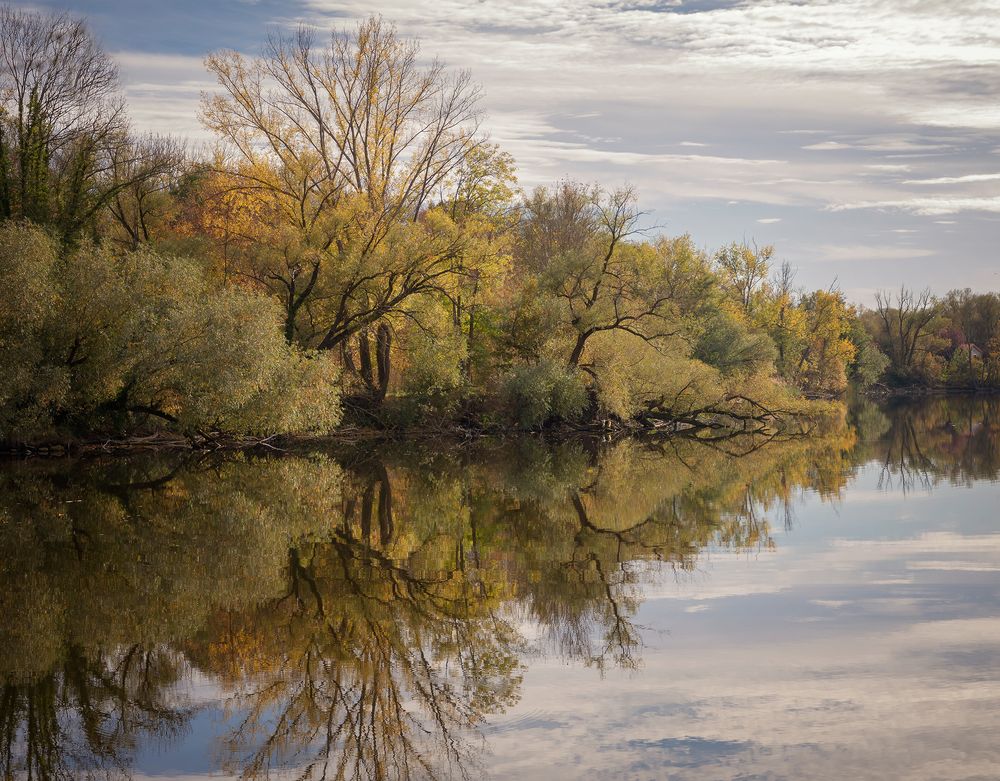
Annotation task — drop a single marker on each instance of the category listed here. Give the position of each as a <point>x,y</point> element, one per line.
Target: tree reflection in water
<point>364,615</point>
<point>88,714</point>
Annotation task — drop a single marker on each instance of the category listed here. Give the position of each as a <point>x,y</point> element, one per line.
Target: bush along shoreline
<point>378,271</point>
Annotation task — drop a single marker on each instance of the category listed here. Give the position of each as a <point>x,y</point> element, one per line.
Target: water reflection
<point>364,615</point>
<point>924,442</point>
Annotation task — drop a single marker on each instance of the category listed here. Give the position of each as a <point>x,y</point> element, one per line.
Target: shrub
<point>92,339</point>
<point>543,392</point>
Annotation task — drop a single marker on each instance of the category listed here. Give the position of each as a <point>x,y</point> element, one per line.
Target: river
<point>743,608</point>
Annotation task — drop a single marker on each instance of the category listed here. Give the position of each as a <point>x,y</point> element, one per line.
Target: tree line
<point>353,246</point>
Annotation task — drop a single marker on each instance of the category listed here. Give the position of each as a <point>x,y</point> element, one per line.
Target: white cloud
<point>837,253</point>
<point>956,179</point>
<point>930,207</point>
<point>888,167</point>
<point>824,146</point>
<point>164,90</point>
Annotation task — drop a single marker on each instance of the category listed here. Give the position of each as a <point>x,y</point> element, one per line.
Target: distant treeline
<point>354,246</point>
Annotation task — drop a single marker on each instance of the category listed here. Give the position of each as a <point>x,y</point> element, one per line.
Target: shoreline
<point>922,391</point>
<point>716,427</point>
<point>165,441</point>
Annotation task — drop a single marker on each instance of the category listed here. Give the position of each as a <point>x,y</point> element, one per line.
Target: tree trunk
<point>365,361</point>
<point>383,345</point>
<point>367,502</point>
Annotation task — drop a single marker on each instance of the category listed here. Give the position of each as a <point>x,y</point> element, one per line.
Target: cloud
<point>769,220</point>
<point>163,91</point>
<point>883,144</point>
<point>956,179</point>
<point>811,107</point>
<point>888,167</point>
<point>823,146</point>
<point>929,207</point>
<point>838,253</point>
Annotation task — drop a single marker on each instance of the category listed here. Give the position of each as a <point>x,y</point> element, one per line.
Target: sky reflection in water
<point>812,609</point>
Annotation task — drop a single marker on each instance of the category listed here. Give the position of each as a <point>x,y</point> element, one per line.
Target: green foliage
<point>31,385</point>
<point>434,378</point>
<point>729,344</point>
<point>962,370</point>
<point>216,358</point>
<point>91,339</point>
<point>539,393</point>
<point>869,365</point>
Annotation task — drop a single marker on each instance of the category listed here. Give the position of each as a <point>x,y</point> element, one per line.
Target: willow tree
<point>91,339</point>
<point>342,146</point>
<point>577,240</point>
<point>620,311</point>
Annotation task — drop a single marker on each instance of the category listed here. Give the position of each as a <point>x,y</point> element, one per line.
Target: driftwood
<point>735,412</point>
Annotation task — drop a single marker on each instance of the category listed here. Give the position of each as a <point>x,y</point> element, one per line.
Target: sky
<point>860,137</point>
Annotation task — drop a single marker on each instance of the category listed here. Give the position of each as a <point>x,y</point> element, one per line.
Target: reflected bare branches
<point>363,617</point>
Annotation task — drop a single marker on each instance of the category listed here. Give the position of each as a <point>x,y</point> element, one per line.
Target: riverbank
<point>880,391</point>
<point>715,426</point>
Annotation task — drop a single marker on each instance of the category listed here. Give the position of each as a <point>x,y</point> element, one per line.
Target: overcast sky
<point>860,137</point>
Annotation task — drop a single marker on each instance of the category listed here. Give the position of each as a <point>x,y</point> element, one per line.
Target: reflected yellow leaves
<point>362,615</point>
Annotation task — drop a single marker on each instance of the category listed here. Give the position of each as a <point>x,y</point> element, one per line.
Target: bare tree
<point>906,319</point>
<point>60,111</point>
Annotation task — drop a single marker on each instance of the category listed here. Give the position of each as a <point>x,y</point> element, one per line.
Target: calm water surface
<point>810,609</point>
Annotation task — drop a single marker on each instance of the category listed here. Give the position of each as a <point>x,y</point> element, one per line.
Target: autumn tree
<point>149,168</point>
<point>576,239</point>
<point>91,339</point>
<point>744,270</point>
<point>480,197</point>
<point>342,146</point>
<point>784,320</point>
<point>827,350</point>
